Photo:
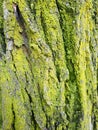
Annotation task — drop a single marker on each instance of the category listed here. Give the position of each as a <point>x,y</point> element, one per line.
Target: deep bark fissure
<point>32,113</point>
<point>3,45</point>
<point>19,16</point>
<point>30,101</point>
<point>22,25</point>
<point>2,36</point>
<point>94,123</point>
<point>13,124</point>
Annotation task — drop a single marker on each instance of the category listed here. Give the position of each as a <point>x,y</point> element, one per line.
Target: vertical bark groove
<point>13,124</point>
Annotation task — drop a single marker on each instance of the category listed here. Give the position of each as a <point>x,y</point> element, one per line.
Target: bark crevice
<point>30,101</point>
<point>13,125</point>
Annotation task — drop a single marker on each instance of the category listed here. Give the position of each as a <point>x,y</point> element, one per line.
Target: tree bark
<point>49,64</point>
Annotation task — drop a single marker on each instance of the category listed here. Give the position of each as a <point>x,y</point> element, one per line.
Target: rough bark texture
<point>49,64</point>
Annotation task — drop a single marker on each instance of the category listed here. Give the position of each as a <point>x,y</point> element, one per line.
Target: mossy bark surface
<point>49,65</point>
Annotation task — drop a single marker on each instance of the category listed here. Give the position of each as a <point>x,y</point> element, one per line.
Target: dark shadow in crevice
<point>30,101</point>
<point>13,124</point>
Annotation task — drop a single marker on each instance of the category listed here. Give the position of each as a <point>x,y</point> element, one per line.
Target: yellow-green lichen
<point>50,81</point>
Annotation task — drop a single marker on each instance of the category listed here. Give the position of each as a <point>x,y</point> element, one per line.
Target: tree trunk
<point>49,64</point>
